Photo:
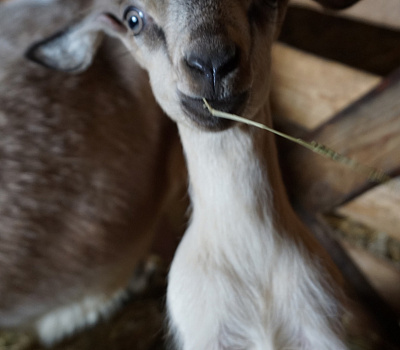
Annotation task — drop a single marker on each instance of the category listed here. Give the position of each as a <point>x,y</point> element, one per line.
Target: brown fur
<point>83,170</point>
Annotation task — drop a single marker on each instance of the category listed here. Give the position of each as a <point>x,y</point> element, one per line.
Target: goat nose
<point>215,65</point>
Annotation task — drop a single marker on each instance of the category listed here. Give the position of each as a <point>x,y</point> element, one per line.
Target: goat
<point>247,274</point>
<point>84,174</point>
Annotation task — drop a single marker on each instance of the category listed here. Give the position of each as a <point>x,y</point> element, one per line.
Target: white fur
<point>236,282</point>
<point>68,319</point>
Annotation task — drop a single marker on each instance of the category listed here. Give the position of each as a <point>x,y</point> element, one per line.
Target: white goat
<point>247,274</point>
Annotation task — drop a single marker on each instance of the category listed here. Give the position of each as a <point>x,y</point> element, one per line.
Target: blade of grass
<point>373,174</point>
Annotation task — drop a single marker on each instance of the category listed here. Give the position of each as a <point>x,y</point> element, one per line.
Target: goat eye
<point>135,19</point>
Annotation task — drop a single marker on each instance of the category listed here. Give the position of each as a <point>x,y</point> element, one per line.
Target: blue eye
<point>135,19</point>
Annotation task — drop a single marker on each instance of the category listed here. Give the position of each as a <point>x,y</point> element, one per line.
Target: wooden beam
<point>382,13</point>
<point>384,277</point>
<point>308,90</point>
<point>386,318</point>
<point>378,208</point>
<point>368,131</point>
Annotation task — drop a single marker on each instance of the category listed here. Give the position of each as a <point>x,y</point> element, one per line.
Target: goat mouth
<point>194,108</point>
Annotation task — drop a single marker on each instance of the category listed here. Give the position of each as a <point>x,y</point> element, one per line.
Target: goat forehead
<point>213,8</point>
<point>206,17</point>
<point>187,13</point>
<point>182,7</point>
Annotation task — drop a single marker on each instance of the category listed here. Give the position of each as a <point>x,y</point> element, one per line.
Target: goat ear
<point>73,49</point>
<point>337,4</point>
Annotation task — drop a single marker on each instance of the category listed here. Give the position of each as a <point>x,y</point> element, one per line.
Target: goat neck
<point>241,164</point>
<point>245,246</point>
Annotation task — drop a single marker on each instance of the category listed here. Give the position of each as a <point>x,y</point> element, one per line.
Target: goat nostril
<point>199,64</point>
<point>214,65</point>
<point>229,65</point>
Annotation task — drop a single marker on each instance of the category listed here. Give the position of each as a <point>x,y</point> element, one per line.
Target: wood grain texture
<point>382,275</point>
<point>308,90</point>
<point>383,13</point>
<point>368,131</point>
<point>378,208</point>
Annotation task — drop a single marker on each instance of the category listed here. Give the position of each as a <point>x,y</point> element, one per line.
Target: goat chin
<point>247,274</point>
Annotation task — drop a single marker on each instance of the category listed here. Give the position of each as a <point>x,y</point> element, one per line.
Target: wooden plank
<point>382,275</point>
<point>378,208</point>
<point>368,131</point>
<point>308,90</point>
<point>382,13</point>
<point>384,315</point>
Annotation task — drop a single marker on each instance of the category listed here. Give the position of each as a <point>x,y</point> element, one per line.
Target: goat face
<point>192,49</point>
<point>216,49</point>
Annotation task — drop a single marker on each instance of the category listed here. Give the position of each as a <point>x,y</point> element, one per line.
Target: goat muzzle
<point>194,108</point>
